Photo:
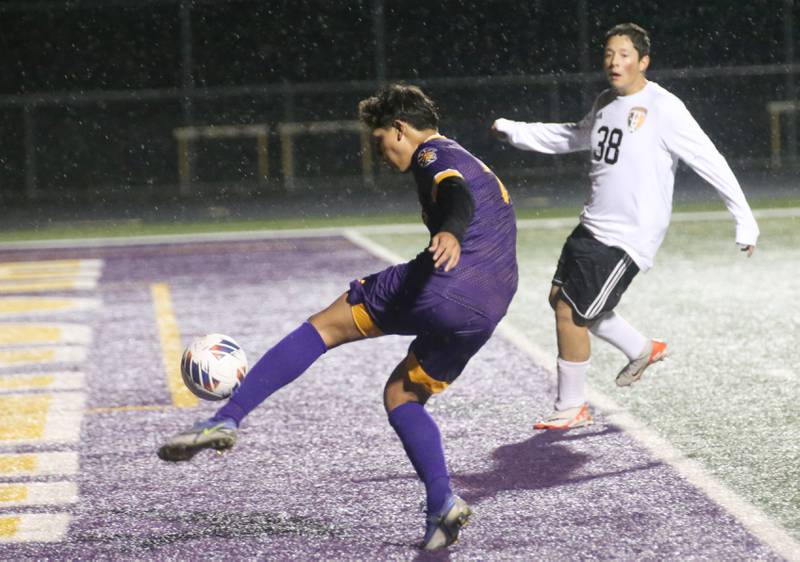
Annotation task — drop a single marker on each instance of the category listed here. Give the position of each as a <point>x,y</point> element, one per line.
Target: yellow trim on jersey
<point>417,375</point>
<point>364,321</point>
<point>448,173</point>
<point>434,136</point>
<point>503,191</point>
<point>440,177</point>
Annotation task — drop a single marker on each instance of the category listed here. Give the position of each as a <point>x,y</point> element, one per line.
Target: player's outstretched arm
<point>547,138</point>
<point>684,138</point>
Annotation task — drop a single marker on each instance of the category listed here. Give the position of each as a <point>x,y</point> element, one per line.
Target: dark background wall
<point>90,92</point>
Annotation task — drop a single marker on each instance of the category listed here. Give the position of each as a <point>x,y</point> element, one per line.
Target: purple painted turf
<point>318,472</point>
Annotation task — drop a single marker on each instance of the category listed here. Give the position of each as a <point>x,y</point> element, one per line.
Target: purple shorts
<point>407,299</point>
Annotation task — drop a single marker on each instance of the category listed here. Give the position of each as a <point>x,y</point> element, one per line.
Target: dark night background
<point>90,92</point>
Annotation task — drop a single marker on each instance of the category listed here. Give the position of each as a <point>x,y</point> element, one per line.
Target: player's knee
<point>400,390</point>
<point>562,308</point>
<point>566,315</point>
<point>335,324</point>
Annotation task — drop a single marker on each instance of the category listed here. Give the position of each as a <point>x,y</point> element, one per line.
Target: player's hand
<point>497,133</point>
<point>749,248</point>
<point>446,250</point>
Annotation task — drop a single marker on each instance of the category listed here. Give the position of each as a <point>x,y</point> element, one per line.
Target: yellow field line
<point>171,348</point>
<point>9,526</point>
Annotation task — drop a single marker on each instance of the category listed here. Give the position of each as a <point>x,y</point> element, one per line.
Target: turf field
<point>698,461</point>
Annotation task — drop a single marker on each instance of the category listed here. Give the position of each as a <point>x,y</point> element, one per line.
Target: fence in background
<point>136,142</point>
<point>179,137</point>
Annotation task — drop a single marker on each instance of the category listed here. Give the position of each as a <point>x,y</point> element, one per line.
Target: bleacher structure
<point>775,110</point>
<point>287,132</point>
<point>184,135</point>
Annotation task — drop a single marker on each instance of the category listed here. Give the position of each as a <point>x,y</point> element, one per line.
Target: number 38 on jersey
<point>608,146</point>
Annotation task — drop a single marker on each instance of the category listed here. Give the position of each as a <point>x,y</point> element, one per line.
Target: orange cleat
<point>578,416</point>
<point>655,351</point>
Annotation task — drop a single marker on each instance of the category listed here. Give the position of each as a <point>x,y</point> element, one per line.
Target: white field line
<point>41,355</point>
<point>358,238</point>
<point>38,493</point>
<point>35,333</point>
<point>48,381</point>
<point>405,228</point>
<point>238,236</point>
<point>38,464</point>
<point>756,521</point>
<point>35,527</point>
<point>40,305</point>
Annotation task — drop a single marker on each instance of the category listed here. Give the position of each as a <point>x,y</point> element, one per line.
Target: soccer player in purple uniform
<point>450,296</point>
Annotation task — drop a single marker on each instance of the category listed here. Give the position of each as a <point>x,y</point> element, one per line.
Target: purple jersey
<point>452,314</point>
<point>486,275</point>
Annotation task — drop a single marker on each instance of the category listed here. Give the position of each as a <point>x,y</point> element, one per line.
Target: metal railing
<point>137,125</point>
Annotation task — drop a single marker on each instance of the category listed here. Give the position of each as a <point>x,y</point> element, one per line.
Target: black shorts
<point>592,276</point>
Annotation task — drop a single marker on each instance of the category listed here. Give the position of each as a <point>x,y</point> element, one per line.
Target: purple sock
<point>279,366</point>
<point>423,444</point>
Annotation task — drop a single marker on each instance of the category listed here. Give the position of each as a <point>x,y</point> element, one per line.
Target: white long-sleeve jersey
<point>635,143</point>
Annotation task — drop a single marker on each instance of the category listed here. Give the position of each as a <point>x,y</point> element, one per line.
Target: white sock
<point>571,383</point>
<point>614,329</point>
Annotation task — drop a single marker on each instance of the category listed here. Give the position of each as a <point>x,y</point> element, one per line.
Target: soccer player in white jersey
<point>635,134</point>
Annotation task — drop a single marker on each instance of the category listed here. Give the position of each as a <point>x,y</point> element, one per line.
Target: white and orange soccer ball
<point>213,366</point>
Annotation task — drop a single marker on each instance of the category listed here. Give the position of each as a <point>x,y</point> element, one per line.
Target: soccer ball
<point>213,366</point>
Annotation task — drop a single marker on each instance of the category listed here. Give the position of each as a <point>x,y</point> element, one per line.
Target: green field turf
<point>728,396</point>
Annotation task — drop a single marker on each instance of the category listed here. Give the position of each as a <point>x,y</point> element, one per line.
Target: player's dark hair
<point>399,101</point>
<point>637,34</point>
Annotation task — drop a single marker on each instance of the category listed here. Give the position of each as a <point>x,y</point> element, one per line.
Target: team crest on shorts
<point>426,157</point>
<point>636,117</point>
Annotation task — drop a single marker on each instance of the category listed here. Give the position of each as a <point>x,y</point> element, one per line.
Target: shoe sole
<point>459,523</point>
<point>581,419</point>
<point>550,427</point>
<point>184,452</point>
